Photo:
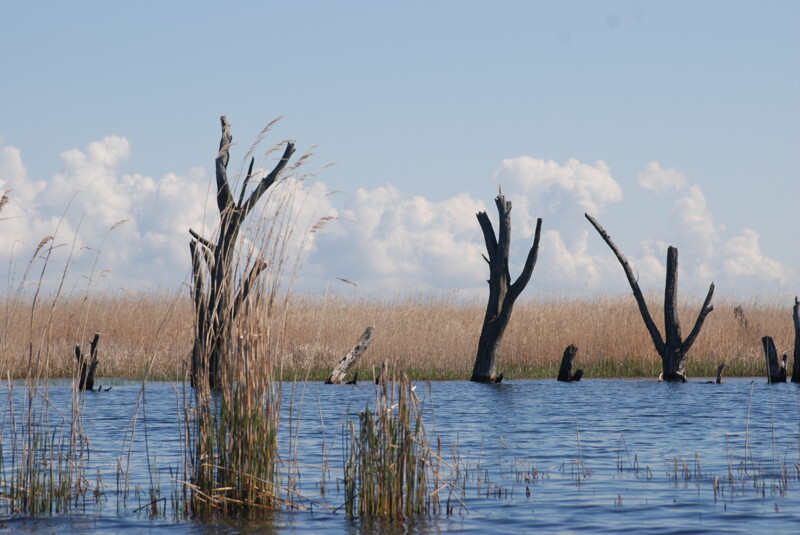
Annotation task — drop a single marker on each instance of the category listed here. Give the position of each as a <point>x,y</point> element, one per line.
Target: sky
<point>673,123</point>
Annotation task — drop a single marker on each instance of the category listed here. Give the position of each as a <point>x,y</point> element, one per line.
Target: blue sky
<point>675,122</point>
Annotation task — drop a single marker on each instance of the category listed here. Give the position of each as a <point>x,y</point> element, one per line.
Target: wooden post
<point>348,361</point>
<point>796,364</point>
<point>565,372</point>
<point>86,370</point>
<point>502,292</point>
<point>674,349</point>
<point>776,371</point>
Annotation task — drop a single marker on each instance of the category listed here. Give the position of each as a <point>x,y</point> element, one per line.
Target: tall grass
<point>391,472</point>
<point>428,336</point>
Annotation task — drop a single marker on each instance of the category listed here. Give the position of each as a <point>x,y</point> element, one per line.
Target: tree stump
<point>776,370</point>
<point>348,361</point>
<point>87,369</point>
<point>565,372</point>
<point>719,373</point>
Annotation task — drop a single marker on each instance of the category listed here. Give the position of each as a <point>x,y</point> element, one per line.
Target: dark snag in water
<point>674,349</point>
<point>348,361</point>
<point>502,292</point>
<point>776,370</point>
<point>796,318</point>
<point>219,295</point>
<point>86,370</point>
<point>565,372</point>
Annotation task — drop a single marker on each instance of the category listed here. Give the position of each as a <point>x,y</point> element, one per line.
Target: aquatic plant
<point>391,471</point>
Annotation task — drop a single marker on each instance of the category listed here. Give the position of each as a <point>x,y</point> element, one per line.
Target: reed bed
<point>391,472</point>
<point>427,336</point>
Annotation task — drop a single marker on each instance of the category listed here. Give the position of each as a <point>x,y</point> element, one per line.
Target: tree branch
<point>247,285</point>
<point>530,263</point>
<point>224,195</point>
<point>707,308</point>
<point>246,181</point>
<point>202,240</point>
<point>267,181</point>
<point>637,293</point>
<point>488,235</point>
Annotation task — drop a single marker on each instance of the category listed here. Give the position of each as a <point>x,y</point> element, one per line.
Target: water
<point>597,456</point>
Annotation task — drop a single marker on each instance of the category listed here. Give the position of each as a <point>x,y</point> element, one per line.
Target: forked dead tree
<point>86,368</point>
<point>502,292</point>
<point>776,368</point>
<point>217,293</point>
<point>674,349</point>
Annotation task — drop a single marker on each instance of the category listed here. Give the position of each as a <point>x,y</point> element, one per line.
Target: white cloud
<point>383,239</point>
<point>654,178</point>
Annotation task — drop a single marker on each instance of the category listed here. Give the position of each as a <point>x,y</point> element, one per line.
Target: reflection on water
<point>627,456</point>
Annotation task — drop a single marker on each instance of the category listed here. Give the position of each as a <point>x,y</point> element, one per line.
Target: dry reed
<point>428,336</point>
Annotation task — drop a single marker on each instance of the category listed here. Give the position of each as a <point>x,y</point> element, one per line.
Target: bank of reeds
<point>429,337</point>
<point>391,471</point>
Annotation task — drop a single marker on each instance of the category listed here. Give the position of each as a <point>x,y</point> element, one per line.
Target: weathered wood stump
<point>719,373</point>
<point>567,360</point>
<point>87,369</point>
<point>349,360</point>
<point>776,370</point>
<point>796,364</point>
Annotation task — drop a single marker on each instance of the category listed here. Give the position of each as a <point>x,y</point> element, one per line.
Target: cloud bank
<point>127,230</point>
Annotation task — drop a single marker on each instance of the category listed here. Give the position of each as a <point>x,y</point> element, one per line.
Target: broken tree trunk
<point>86,369</point>
<point>719,373</point>
<point>502,292</point>
<point>674,349</point>
<point>567,360</point>
<point>776,370</point>
<point>796,363</point>
<point>349,360</point>
<point>218,294</point>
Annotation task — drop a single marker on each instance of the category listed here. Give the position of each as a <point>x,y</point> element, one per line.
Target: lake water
<point>598,456</point>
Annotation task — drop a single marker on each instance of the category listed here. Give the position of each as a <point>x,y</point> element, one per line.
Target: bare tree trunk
<point>218,296</point>
<point>673,351</point>
<point>776,370</point>
<point>719,373</point>
<point>567,360</point>
<point>348,361</point>
<point>502,293</point>
<point>86,370</point>
<point>796,363</point>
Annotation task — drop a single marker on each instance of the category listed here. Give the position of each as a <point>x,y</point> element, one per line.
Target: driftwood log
<point>348,361</point>
<point>502,292</point>
<point>673,349</point>
<point>86,369</point>
<point>796,363</point>
<point>567,360</point>
<point>776,370</point>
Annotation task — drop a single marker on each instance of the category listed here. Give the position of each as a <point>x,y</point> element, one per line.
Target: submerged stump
<point>86,369</point>
<point>776,370</point>
<point>796,318</point>
<point>567,360</point>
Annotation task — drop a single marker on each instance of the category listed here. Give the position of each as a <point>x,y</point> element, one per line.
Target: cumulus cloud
<point>654,178</point>
<point>381,238</point>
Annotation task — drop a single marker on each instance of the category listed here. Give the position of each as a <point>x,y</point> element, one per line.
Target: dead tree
<point>567,360</point>
<point>348,361</point>
<point>218,295</point>
<point>502,292</point>
<point>674,349</point>
<point>796,364</point>
<point>86,369</point>
<point>776,369</point>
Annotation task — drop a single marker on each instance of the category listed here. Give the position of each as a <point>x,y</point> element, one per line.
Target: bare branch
<point>267,181</point>
<point>637,293</point>
<point>224,195</point>
<point>246,181</point>
<point>201,239</point>
<point>488,234</point>
<point>707,308</point>
<point>530,263</point>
